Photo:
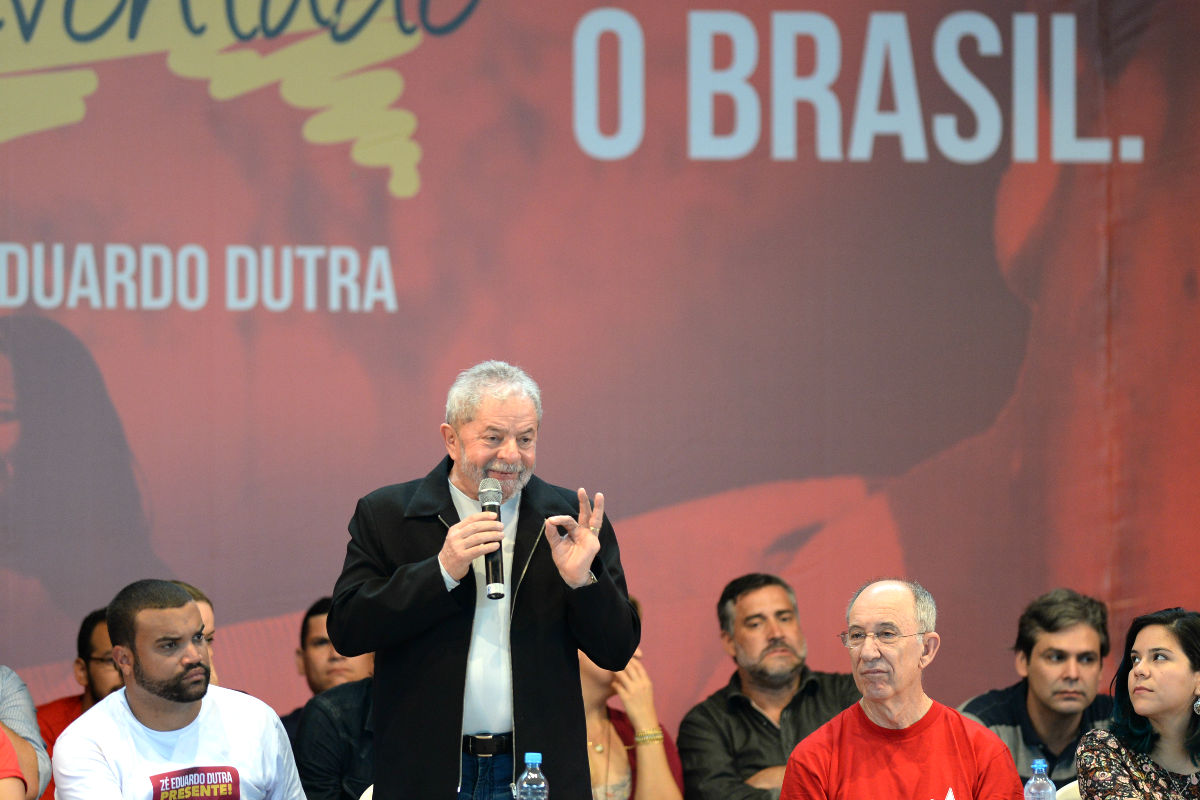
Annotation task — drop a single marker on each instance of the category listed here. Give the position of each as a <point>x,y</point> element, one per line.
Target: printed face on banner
<point>499,442</point>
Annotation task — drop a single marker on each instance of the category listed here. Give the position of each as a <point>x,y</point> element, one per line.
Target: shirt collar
<point>807,679</point>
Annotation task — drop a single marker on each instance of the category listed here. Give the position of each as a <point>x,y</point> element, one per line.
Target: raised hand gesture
<point>574,542</point>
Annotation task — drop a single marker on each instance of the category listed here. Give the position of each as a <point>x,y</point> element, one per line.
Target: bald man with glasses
<point>898,742</point>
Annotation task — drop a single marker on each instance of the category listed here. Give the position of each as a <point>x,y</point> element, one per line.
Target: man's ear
<point>1022,664</point>
<point>300,662</point>
<point>930,643</point>
<point>81,673</point>
<point>122,656</point>
<point>450,439</point>
<point>727,642</point>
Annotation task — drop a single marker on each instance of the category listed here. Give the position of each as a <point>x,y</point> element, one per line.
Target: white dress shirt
<point>487,702</point>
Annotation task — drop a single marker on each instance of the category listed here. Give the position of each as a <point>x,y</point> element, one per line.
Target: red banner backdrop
<point>832,291</point>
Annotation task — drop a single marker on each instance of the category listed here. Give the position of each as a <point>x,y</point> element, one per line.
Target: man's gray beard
<point>472,475</point>
<point>761,676</point>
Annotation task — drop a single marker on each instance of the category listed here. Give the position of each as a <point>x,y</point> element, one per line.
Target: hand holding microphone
<point>474,536</point>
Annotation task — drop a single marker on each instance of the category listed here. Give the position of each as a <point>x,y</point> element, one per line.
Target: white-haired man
<point>898,741</point>
<point>464,682</point>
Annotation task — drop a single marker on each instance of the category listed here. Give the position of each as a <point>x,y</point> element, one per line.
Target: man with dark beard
<point>167,734</point>
<point>735,744</point>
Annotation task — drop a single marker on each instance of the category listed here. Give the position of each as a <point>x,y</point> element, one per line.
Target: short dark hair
<point>83,642</point>
<point>138,596</point>
<point>1132,728</point>
<point>317,609</point>
<point>744,585</point>
<point>1058,610</point>
<point>197,594</point>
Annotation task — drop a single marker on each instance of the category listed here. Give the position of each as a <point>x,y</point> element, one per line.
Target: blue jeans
<point>486,777</point>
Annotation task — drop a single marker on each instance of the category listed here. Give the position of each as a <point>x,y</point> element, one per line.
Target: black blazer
<point>391,599</point>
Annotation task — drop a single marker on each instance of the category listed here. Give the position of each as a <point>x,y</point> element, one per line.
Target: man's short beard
<point>761,676</point>
<point>778,679</point>
<point>472,475</point>
<point>171,689</point>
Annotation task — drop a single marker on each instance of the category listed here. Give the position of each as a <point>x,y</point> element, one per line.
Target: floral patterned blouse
<point>1108,770</point>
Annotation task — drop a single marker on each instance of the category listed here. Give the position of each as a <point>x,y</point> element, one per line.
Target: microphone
<point>490,496</point>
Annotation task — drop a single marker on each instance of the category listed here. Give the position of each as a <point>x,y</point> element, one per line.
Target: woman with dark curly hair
<point>1153,749</point>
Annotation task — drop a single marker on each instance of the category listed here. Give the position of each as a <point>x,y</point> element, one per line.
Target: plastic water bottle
<point>532,785</point>
<point>1039,787</point>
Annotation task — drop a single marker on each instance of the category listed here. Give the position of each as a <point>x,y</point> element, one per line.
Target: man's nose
<point>1071,669</point>
<point>508,450</point>
<point>870,648</point>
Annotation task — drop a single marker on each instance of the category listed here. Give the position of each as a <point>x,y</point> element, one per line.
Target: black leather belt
<point>487,744</point>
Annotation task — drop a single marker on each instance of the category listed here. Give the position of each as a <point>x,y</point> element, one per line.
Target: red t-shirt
<point>9,768</point>
<point>53,718</point>
<point>943,756</point>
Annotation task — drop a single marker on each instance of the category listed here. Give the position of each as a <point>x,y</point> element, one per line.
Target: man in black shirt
<point>335,746</point>
<point>735,744</point>
<point>321,664</point>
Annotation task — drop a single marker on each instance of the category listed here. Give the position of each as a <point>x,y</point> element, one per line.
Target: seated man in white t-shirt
<point>167,735</point>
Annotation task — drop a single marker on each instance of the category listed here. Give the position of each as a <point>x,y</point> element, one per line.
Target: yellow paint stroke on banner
<point>42,86</point>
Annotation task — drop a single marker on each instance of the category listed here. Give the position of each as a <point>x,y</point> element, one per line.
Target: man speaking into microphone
<point>465,684</point>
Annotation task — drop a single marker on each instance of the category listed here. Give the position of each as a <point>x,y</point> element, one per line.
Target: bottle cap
<point>536,758</point>
<point>1039,764</point>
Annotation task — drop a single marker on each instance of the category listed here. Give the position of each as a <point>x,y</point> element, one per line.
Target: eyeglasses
<point>856,639</point>
<point>107,661</point>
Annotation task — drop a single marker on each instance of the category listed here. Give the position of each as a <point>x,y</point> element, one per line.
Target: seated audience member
<point>734,744</point>
<point>897,742</point>
<point>1062,639</point>
<point>629,754</point>
<point>167,733</point>
<point>18,723</point>
<point>210,623</point>
<point>322,665</point>
<point>12,782</point>
<point>95,671</point>
<point>335,746</point>
<point>1153,748</point>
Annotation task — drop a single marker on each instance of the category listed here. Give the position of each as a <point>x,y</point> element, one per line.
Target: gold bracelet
<point>648,736</point>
